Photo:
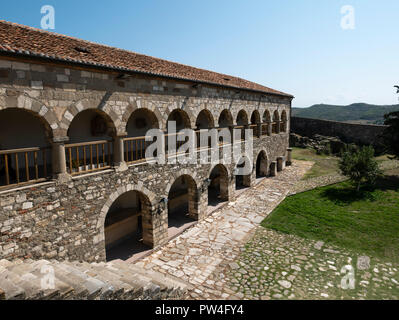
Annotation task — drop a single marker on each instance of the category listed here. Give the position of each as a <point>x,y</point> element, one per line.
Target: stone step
<point>83,280</point>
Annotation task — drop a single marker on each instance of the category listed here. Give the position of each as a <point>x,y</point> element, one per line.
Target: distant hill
<point>354,113</point>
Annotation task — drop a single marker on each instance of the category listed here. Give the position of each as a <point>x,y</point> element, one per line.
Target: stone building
<point>74,180</point>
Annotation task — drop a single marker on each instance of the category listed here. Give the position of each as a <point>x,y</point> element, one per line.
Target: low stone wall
<point>347,132</point>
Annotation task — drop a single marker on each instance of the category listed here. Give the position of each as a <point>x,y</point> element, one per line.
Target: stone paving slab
<point>200,255</point>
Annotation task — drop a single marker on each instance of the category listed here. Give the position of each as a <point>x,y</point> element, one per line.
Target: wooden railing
<point>23,166</point>
<point>135,148</point>
<point>88,156</point>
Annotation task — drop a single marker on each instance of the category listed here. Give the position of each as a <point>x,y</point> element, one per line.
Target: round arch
<point>140,121</point>
<point>204,120</point>
<point>180,117</point>
<point>261,164</point>
<point>283,123</point>
<point>225,119</point>
<point>242,118</point>
<point>218,190</point>
<point>183,203</point>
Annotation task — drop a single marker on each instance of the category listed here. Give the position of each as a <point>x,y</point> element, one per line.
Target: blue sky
<point>296,46</point>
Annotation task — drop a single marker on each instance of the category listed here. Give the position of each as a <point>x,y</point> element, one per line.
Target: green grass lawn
<point>324,164</point>
<point>367,222</point>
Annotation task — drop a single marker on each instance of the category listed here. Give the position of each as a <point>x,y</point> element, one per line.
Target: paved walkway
<point>201,254</point>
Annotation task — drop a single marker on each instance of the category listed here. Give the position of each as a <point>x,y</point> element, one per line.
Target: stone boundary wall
<point>347,132</point>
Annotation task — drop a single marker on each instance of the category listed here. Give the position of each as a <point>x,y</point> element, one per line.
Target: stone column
<point>269,128</point>
<point>273,168</point>
<point>280,163</point>
<point>59,160</point>
<point>119,159</point>
<point>278,126</point>
<point>289,157</point>
<point>259,128</point>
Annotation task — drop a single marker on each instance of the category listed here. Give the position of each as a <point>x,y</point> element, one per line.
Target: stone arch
<point>140,121</point>
<point>218,190</point>
<point>261,164</point>
<point>83,105</point>
<point>242,118</point>
<point>276,122</point>
<point>137,105</point>
<point>225,119</point>
<point>112,197</point>
<point>129,217</point>
<point>243,179</point>
<point>181,117</point>
<point>255,117</point>
<point>204,120</point>
<point>183,202</point>
<point>266,116</point>
<point>91,125</point>
<point>42,112</point>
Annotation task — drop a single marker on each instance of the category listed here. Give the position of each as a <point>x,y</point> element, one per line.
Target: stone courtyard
<point>229,256</point>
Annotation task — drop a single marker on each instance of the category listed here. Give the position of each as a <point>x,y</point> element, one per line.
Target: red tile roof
<point>19,40</point>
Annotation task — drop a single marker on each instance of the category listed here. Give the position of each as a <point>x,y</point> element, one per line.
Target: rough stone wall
<point>347,132</point>
<point>66,220</point>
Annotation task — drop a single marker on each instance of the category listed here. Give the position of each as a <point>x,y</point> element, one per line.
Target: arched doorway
<point>182,204</point>
<point>127,226</point>
<point>135,145</point>
<point>25,147</point>
<point>243,180</point>
<point>261,165</point>
<point>218,190</point>
<point>90,147</point>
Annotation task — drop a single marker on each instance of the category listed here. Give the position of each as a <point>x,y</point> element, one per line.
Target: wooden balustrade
<point>88,156</point>
<point>135,148</point>
<point>24,166</point>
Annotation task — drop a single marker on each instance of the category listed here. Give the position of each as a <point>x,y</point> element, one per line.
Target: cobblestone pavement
<point>201,254</point>
<point>274,265</point>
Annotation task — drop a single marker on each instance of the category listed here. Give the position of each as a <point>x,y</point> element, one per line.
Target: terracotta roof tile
<point>20,39</point>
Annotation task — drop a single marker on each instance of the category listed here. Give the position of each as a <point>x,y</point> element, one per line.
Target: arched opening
<point>182,204</point>
<point>266,119</point>
<point>91,125</point>
<point>25,153</point>
<point>255,120</point>
<point>204,120</point>
<point>127,226</point>
<point>90,142</point>
<point>243,173</point>
<point>242,121</point>
<point>261,165</point>
<point>276,122</point>
<point>140,121</point>
<point>225,119</point>
<point>283,123</point>
<point>181,119</point>
<point>218,190</point>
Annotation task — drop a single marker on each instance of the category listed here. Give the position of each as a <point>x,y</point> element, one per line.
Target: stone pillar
<point>269,128</point>
<point>289,157</point>
<point>280,163</point>
<point>259,129</point>
<point>148,226</point>
<point>119,159</point>
<point>278,126</point>
<point>59,161</point>
<point>273,168</point>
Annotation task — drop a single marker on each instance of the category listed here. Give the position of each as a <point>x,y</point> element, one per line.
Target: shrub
<point>359,165</point>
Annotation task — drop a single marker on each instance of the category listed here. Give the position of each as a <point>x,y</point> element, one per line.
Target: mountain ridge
<point>358,112</point>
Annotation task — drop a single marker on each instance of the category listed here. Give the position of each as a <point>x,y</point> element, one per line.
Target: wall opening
<point>261,165</point>
<point>243,181</point>
<point>127,226</point>
<point>218,189</point>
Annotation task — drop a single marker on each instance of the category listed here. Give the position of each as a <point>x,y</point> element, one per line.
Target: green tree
<point>359,165</point>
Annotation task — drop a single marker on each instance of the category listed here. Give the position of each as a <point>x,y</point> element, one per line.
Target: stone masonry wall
<point>65,220</point>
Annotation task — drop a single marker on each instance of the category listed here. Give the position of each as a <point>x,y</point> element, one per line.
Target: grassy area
<point>366,222</point>
<point>324,164</point>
